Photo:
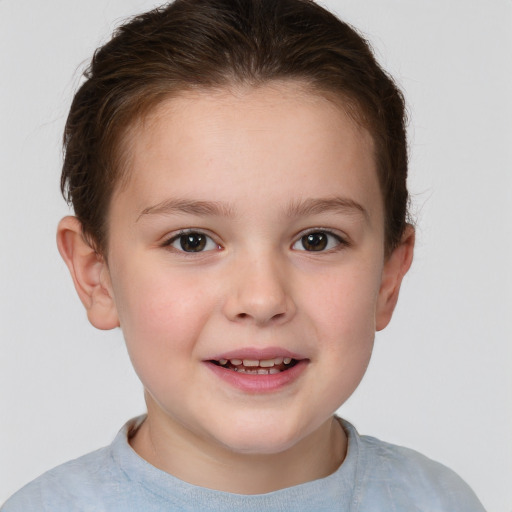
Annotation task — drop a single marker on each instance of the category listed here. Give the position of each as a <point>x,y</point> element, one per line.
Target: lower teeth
<point>259,371</point>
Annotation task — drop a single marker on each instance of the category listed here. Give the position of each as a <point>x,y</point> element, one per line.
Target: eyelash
<point>340,242</point>
<point>183,233</point>
<point>316,236</point>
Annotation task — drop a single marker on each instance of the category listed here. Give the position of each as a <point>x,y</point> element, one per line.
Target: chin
<point>260,437</point>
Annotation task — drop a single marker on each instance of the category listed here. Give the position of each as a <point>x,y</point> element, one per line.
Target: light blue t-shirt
<point>375,476</point>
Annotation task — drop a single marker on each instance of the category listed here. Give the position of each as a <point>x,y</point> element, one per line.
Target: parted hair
<point>202,44</point>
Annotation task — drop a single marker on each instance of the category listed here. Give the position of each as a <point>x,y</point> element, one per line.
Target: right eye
<point>192,241</point>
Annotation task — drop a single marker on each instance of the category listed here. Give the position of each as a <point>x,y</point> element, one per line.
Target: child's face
<point>251,228</point>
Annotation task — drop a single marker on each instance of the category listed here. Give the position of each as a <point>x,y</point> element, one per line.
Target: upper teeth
<point>263,363</point>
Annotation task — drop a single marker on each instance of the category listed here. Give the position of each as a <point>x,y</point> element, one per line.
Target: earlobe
<point>89,272</point>
<point>395,268</point>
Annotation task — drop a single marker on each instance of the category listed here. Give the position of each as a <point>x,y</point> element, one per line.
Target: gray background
<point>440,378</point>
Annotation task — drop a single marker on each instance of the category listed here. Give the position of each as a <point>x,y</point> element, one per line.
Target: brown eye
<point>192,241</point>
<point>317,241</point>
<point>314,241</point>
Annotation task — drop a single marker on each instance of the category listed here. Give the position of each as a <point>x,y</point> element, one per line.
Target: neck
<point>199,462</point>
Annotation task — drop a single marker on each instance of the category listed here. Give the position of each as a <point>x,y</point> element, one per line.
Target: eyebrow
<point>310,206</point>
<point>334,204</point>
<point>185,206</point>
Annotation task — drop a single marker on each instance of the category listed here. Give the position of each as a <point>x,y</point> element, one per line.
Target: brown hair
<point>215,43</point>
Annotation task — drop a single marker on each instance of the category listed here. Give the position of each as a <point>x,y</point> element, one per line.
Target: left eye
<point>317,241</point>
<point>192,242</point>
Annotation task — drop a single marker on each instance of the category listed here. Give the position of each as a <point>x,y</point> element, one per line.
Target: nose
<point>260,292</point>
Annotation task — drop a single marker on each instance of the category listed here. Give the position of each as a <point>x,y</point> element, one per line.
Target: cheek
<point>344,303</point>
<point>161,314</point>
<point>347,319</point>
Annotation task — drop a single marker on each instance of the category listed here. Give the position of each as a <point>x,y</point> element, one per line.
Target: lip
<point>257,353</point>
<point>258,384</point>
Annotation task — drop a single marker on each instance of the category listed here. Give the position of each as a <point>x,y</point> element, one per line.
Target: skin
<point>277,162</point>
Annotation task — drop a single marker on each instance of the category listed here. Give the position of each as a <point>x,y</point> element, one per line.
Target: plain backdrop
<point>440,379</point>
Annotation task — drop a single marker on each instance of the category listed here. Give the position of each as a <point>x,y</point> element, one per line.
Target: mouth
<point>270,366</point>
<point>259,371</point>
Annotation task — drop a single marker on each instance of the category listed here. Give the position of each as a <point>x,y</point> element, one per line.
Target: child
<point>238,174</point>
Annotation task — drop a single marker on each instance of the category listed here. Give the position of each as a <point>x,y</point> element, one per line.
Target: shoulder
<point>95,482</point>
<point>71,482</point>
<point>408,479</point>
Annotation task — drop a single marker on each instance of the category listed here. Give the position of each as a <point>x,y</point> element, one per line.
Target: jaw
<point>248,468</point>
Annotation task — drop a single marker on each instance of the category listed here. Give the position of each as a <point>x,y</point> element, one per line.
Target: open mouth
<point>257,367</point>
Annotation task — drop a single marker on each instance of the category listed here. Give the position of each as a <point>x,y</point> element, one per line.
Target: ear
<point>395,268</point>
<point>89,272</point>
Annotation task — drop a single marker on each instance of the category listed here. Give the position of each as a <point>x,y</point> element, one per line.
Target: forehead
<point>200,141</point>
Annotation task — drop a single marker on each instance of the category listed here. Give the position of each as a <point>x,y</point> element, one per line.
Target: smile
<point>257,371</point>
<point>256,366</point>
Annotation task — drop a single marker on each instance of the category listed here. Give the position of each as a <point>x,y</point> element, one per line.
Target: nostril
<point>258,307</point>
<point>277,316</point>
